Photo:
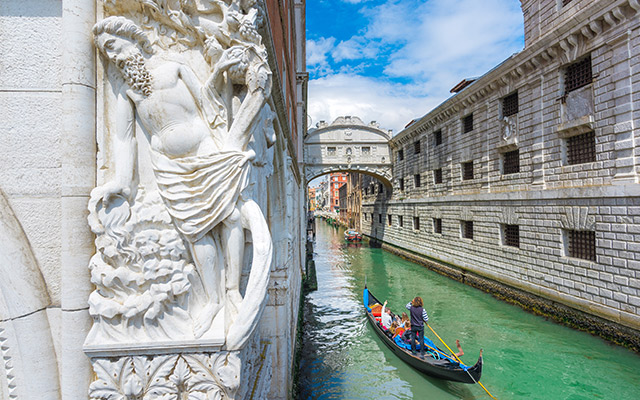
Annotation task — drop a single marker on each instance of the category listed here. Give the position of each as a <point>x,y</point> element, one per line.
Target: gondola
<point>436,363</point>
<point>351,235</point>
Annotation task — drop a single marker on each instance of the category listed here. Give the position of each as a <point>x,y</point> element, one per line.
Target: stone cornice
<point>329,128</point>
<point>613,191</point>
<point>565,44</point>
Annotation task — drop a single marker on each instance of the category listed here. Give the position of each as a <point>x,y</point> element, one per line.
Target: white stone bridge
<point>348,145</point>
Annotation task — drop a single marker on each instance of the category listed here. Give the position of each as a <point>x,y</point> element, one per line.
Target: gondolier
<point>437,362</point>
<point>419,317</point>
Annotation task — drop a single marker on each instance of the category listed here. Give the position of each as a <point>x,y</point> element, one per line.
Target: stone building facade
<point>354,200</point>
<point>529,175</point>
<point>53,95</point>
<point>343,208</point>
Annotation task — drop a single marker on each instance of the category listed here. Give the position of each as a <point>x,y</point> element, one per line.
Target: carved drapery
<point>186,152</point>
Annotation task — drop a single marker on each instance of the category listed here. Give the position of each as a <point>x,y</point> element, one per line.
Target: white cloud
<point>444,41</point>
<point>354,49</point>
<point>317,52</point>
<point>370,99</point>
<point>430,46</point>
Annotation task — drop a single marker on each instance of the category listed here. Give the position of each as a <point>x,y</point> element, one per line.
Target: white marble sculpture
<point>190,85</point>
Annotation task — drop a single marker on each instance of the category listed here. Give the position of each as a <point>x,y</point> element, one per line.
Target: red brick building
<point>336,181</point>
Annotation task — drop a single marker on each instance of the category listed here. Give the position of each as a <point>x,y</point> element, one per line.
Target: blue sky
<point>393,61</point>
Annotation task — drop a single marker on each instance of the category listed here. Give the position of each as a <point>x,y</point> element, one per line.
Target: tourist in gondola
<point>393,328</point>
<point>419,317</point>
<point>385,316</point>
<point>402,320</point>
<point>402,329</point>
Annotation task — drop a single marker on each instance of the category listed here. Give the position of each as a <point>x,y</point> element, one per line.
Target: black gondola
<point>442,365</point>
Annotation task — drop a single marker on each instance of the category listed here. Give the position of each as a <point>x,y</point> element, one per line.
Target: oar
<point>454,354</point>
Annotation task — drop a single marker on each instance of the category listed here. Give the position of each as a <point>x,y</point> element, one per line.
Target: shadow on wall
<point>378,194</point>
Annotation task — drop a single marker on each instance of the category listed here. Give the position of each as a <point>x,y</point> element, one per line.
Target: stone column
<point>78,175</point>
<point>620,96</point>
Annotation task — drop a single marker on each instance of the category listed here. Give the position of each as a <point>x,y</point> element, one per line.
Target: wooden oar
<point>454,354</point>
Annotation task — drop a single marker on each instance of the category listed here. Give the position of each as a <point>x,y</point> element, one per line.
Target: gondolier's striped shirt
<point>425,317</point>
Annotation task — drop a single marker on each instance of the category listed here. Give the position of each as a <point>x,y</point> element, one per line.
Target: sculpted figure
<point>199,154</point>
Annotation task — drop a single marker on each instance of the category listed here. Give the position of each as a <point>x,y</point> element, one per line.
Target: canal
<point>525,356</point>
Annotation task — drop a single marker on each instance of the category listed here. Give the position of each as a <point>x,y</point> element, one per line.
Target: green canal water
<point>525,356</point>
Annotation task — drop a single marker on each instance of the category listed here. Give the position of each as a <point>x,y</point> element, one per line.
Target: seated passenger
<point>399,331</point>
<point>404,318</point>
<point>393,327</point>
<point>406,335</point>
<point>386,316</point>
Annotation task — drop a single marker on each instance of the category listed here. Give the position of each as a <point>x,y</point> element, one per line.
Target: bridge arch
<point>348,145</point>
<point>311,174</point>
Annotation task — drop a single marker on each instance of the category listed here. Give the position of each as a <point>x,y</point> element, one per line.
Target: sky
<point>393,61</point>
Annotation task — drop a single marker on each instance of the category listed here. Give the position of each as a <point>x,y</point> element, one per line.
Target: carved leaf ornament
<point>170,377</point>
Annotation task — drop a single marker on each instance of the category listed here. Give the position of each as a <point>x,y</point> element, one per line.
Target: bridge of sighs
<point>348,145</point>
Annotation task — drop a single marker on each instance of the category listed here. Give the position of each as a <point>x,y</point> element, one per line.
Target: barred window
<point>512,235</point>
<point>577,75</point>
<point>437,225</point>
<point>511,162</point>
<point>389,219</point>
<point>467,170</point>
<point>510,105</point>
<point>416,147</point>
<point>437,175</point>
<point>400,221</point>
<point>416,179</point>
<point>401,183</point>
<point>582,244</point>
<point>467,229</point>
<point>581,148</point>
<point>331,151</point>
<point>437,137</point>
<point>400,155</point>
<point>467,123</point>
<point>366,150</point>
<point>416,223</point>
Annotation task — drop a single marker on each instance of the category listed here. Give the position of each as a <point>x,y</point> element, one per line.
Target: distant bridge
<point>348,145</point>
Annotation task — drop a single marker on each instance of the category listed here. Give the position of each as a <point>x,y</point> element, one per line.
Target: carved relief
<point>509,131</point>
<point>142,272</point>
<point>208,376</point>
<point>188,149</point>
<point>509,216</point>
<point>577,218</point>
<point>466,214</point>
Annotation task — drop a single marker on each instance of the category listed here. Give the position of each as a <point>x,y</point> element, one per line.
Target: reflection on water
<point>526,357</point>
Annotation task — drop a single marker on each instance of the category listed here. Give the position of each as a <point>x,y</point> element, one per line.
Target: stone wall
<point>49,162</point>
<point>31,187</point>
<point>548,197</point>
<point>30,133</point>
